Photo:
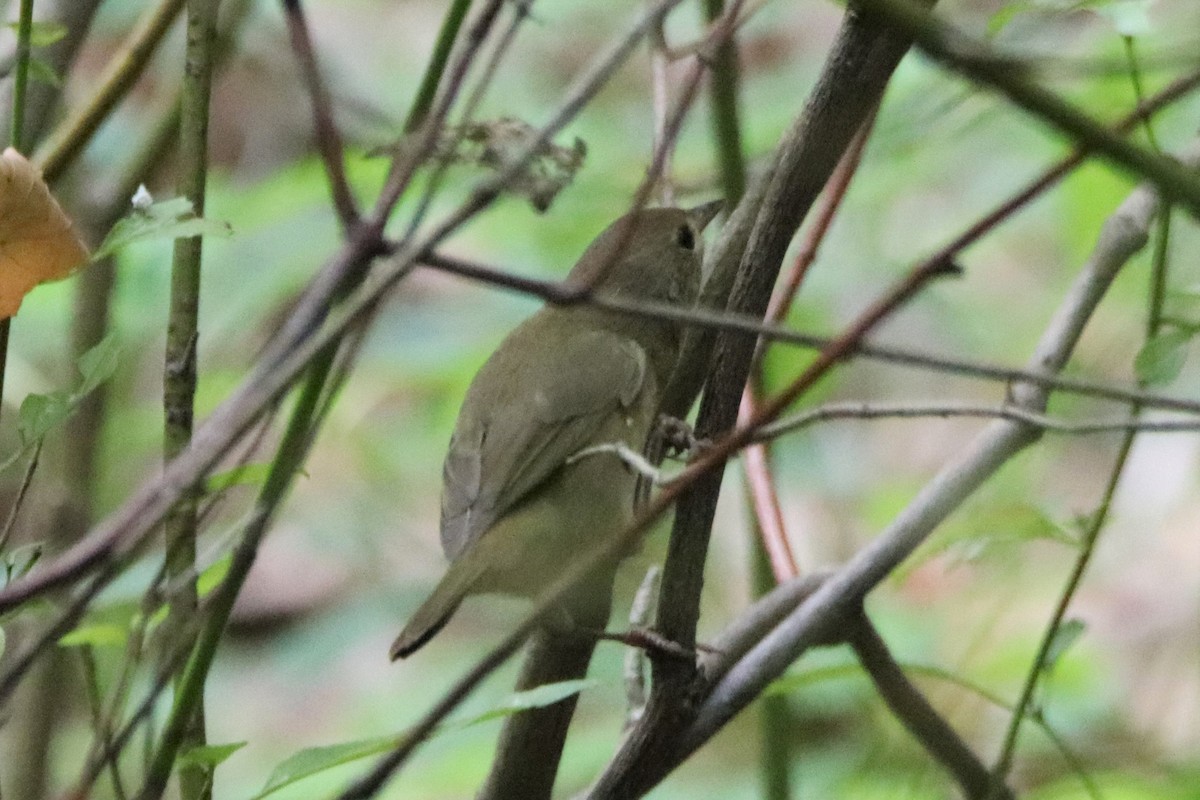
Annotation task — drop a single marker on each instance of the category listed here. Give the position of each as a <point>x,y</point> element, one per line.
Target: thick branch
<point>857,71</point>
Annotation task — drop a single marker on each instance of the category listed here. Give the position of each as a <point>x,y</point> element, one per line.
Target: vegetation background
<point>355,549</point>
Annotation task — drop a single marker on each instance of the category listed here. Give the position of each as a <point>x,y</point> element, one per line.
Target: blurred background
<point>356,547</point>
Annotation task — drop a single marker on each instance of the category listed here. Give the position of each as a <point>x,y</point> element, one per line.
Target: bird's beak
<point>703,214</point>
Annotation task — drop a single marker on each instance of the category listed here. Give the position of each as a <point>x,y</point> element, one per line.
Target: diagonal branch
<point>918,716</point>
<point>1123,234</point>
<point>329,139</point>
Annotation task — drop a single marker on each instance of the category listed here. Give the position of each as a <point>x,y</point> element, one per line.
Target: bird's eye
<point>685,237</point>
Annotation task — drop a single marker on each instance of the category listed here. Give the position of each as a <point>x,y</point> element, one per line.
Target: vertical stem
<point>28,772</point>
<point>723,95</point>
<point>179,372</point>
<point>437,65</point>
<point>20,83</point>
<point>21,80</point>
<point>775,718</point>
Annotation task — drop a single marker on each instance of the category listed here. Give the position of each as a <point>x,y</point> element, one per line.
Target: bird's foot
<point>677,438</point>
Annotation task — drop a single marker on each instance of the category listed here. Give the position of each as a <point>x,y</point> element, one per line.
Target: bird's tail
<point>435,612</point>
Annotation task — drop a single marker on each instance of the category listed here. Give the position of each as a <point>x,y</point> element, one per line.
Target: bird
<point>518,500</point>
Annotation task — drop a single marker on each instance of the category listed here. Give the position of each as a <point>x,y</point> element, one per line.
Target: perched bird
<point>516,507</point>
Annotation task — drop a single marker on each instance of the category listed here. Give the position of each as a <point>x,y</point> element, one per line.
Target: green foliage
<point>315,760</point>
<point>1161,359</point>
<point>1065,636</point>
<point>41,34</point>
<point>166,219</point>
<point>241,475</point>
<point>39,414</point>
<point>98,635</point>
<point>209,755</point>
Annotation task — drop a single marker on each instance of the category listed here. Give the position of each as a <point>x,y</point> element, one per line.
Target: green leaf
<point>99,635</point>
<point>157,618</point>
<point>40,413</point>
<point>167,219</point>
<point>211,578</point>
<point>21,559</point>
<point>209,755</point>
<point>1067,634</point>
<point>98,364</point>
<point>244,475</point>
<point>1162,358</point>
<point>314,760</point>
<point>41,71</point>
<point>2,642</point>
<point>538,697</point>
<point>42,34</point>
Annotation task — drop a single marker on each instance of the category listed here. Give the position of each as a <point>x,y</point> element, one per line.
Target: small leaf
<point>22,559</point>
<point>37,241</point>
<point>166,219</point>
<point>157,618</point>
<point>39,413</point>
<point>209,755</point>
<point>211,578</point>
<point>42,34</point>
<point>314,760</point>
<point>39,70</point>
<point>98,364</point>
<point>538,697</point>
<point>244,475</point>
<point>3,642</point>
<point>1162,358</point>
<point>1067,634</point>
<point>98,635</point>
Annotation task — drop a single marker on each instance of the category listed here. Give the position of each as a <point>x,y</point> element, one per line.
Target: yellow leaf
<point>37,242</point>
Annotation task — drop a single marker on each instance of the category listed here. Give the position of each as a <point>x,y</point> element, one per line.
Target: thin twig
<point>1123,235</point>
<point>453,20</point>
<point>329,139</point>
<point>1176,90</point>
<point>700,318</point>
<point>1099,518</point>
<point>891,411</point>
<point>67,140</point>
<point>916,714</point>
<point>964,55</point>
<point>19,500</point>
<point>124,531</point>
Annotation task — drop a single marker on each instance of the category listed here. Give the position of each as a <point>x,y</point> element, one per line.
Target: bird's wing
<point>505,446</point>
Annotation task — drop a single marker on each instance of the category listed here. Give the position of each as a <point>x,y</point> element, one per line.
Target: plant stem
<point>723,96</point>
<point>69,138</point>
<point>20,83</point>
<point>437,65</point>
<point>179,373</point>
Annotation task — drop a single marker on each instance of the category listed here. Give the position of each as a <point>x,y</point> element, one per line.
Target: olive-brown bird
<point>516,507</point>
